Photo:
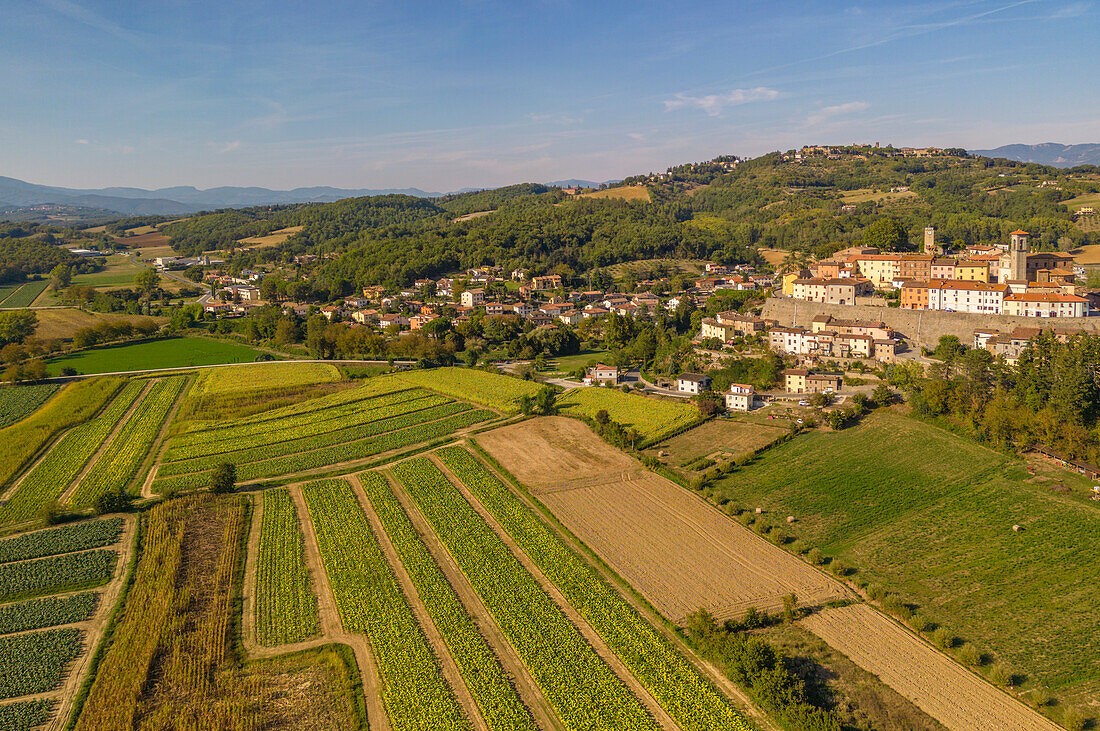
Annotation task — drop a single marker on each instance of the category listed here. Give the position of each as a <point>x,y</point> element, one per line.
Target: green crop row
<point>351,433</point>
<point>336,454</point>
<point>370,601</point>
<point>56,573</point>
<point>116,467</point>
<point>666,674</point>
<point>48,612</point>
<point>582,689</point>
<point>35,662</point>
<point>61,465</point>
<point>494,390</point>
<point>286,607</point>
<point>78,537</point>
<point>25,715</point>
<point>228,438</point>
<point>500,706</point>
<point>16,402</point>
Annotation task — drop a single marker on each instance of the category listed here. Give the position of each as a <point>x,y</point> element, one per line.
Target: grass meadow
<point>650,416</point>
<point>930,516</point>
<point>170,353</point>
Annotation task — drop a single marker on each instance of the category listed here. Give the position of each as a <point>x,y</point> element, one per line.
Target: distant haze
<point>1048,153</point>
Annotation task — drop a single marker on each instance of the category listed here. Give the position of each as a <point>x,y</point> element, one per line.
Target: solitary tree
<point>224,478</point>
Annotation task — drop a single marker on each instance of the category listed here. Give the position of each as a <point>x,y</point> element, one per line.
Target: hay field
<point>625,193</point>
<point>730,438</point>
<point>273,238</point>
<point>220,381</point>
<point>937,685</point>
<point>774,257</point>
<point>866,194</point>
<point>1089,199</point>
<point>679,552</point>
<point>651,416</point>
<point>471,216</point>
<point>150,245</point>
<point>929,516</point>
<point>63,323</point>
<point>1087,254</point>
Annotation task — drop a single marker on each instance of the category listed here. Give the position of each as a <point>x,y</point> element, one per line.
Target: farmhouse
<point>798,380</point>
<point>739,397</point>
<point>692,383</point>
<point>550,281</point>
<point>604,373</point>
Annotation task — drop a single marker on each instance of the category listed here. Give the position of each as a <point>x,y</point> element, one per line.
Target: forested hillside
<point>722,210</point>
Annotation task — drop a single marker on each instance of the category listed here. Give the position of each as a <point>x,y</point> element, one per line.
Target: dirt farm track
<point>674,548</point>
<point>681,553</point>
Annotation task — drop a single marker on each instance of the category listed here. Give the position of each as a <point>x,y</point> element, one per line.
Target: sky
<point>482,93</point>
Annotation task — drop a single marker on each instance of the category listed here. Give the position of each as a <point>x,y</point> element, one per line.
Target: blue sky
<point>443,95</point>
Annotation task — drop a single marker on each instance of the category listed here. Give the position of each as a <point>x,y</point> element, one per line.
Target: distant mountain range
<point>1048,153</point>
<point>180,200</point>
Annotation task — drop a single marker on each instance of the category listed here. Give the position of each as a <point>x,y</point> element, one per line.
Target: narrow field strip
<point>583,690</point>
<point>370,602</point>
<point>48,612</point>
<point>118,464</point>
<point>196,444</point>
<point>78,537</point>
<point>49,479</point>
<point>36,662</point>
<point>56,573</point>
<point>355,431</point>
<point>286,607</point>
<point>336,454</point>
<point>665,673</point>
<point>497,700</point>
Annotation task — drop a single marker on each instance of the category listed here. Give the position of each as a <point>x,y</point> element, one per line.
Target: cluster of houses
<point>1010,345</point>
<point>835,339</point>
<point>987,280</point>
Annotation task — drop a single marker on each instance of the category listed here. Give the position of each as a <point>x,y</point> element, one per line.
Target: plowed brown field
<point>937,685</point>
<point>677,550</point>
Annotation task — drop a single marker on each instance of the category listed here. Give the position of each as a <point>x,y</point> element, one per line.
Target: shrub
<point>114,501</point>
<point>799,546</point>
<point>1041,697</point>
<point>1073,720</point>
<point>919,623</point>
<point>224,478</point>
<point>970,655</point>
<point>1001,675</point>
<point>943,637</point>
<point>815,556</point>
<point>839,568</point>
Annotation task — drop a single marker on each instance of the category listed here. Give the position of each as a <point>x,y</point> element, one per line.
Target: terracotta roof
<point>1018,232</point>
<point>796,372</point>
<point>1044,297</point>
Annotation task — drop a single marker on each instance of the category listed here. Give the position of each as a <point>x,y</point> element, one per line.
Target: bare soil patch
<point>673,547</point>
<point>940,687</point>
<point>625,192</point>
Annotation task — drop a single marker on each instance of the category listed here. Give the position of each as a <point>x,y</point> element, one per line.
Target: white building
<point>692,383</point>
<point>740,397</point>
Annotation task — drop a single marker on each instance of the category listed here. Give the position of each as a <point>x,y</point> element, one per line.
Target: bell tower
<point>1017,256</point>
<point>930,241</point>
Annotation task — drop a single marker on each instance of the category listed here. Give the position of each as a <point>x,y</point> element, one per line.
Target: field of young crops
<point>488,389</point>
<point>286,607</point>
<point>25,295</point>
<point>47,612</point>
<point>49,479</point>
<point>35,662</point>
<point>77,537</point>
<point>673,682</point>
<point>119,463</point>
<point>414,692</point>
<point>351,428</point>
<point>652,417</point>
<point>25,714</point>
<point>583,690</point>
<point>18,402</point>
<point>56,573</point>
<point>496,699</point>
<point>335,454</point>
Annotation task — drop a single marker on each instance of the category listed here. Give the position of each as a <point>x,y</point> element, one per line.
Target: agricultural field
<point>19,402</point>
<point>930,518</point>
<point>25,295</point>
<point>45,642</point>
<point>286,607</point>
<point>652,417</point>
<point>62,322</point>
<point>297,442</point>
<point>679,552</point>
<point>269,375</point>
<point>152,354</point>
<point>272,239</point>
<point>623,192</point>
<point>718,439</point>
<point>569,363</point>
<point>863,195</point>
<point>502,393</point>
<point>1089,199</point>
<point>75,403</point>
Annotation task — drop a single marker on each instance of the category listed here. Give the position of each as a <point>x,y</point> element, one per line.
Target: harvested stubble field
<point>623,192</point>
<point>677,551</point>
<point>929,516</point>
<point>273,238</point>
<point>734,437</point>
<point>942,688</point>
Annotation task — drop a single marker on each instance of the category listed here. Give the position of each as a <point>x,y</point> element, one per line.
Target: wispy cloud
<point>1073,10</point>
<point>89,18</point>
<point>837,110</point>
<point>82,141</point>
<point>713,104</point>
<point>229,147</point>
